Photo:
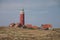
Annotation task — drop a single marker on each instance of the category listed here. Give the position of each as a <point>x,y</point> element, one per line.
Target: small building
<point>28,25</point>
<point>12,25</point>
<point>35,27</point>
<point>15,25</point>
<point>46,26</point>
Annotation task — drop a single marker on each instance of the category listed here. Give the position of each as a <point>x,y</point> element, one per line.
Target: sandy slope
<point>28,34</point>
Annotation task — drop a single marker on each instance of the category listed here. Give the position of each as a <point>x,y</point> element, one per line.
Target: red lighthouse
<point>22,17</point>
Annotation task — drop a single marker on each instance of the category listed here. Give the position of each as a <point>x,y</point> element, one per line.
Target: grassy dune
<point>7,33</point>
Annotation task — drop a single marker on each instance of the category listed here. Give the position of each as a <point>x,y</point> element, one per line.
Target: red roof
<point>46,25</point>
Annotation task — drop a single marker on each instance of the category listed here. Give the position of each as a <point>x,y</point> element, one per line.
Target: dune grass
<point>7,33</point>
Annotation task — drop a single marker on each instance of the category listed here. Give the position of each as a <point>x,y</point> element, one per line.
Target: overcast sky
<point>37,12</point>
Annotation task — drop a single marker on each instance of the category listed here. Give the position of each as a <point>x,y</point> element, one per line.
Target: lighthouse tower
<point>22,17</point>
